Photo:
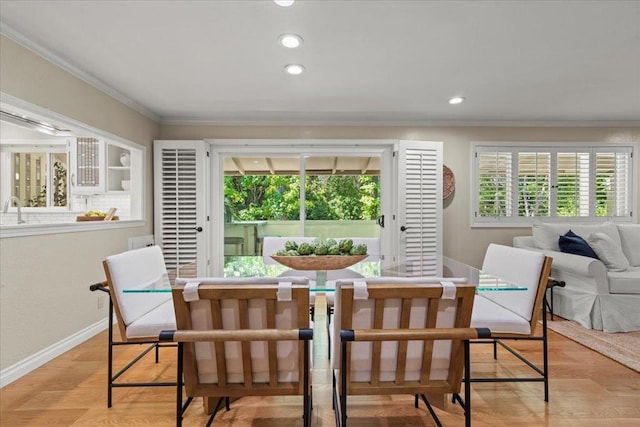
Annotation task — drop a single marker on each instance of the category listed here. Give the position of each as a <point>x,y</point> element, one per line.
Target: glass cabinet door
<point>87,161</point>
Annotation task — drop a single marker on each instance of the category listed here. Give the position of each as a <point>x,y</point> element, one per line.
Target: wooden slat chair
<point>374,252</point>
<point>401,335</point>
<point>140,316</point>
<point>242,337</point>
<point>514,314</point>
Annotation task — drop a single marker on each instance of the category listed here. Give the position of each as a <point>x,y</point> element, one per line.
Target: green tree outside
<point>277,197</point>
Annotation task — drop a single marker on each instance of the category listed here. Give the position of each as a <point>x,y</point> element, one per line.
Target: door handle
<point>403,228</point>
<point>198,229</point>
<point>380,221</point>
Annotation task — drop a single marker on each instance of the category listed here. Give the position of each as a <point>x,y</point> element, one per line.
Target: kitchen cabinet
<point>87,165</point>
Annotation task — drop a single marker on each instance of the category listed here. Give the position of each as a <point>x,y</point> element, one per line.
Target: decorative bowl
<point>126,184</point>
<point>319,262</point>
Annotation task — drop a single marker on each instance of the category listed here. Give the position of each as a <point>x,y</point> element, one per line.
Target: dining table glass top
<point>442,267</point>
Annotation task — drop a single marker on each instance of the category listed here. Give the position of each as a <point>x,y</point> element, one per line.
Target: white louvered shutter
<point>179,214</point>
<point>613,186</point>
<point>419,206</point>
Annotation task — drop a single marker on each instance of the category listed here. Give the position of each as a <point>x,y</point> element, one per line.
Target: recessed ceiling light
<point>456,100</point>
<point>290,40</point>
<point>284,3</point>
<point>294,69</point>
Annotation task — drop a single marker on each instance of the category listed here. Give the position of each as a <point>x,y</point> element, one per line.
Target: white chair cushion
<point>487,314</point>
<point>138,269</point>
<point>518,266</point>
<point>161,318</point>
<point>609,252</point>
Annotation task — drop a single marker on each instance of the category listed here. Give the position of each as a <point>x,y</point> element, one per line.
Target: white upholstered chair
<point>140,316</point>
<point>401,336</point>
<point>242,337</point>
<point>514,314</point>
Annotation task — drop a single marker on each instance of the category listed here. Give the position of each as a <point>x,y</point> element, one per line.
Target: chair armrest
<point>413,334</point>
<point>237,335</point>
<point>101,286</point>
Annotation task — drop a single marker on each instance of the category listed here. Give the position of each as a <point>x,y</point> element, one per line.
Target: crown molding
<point>75,71</point>
<point>253,121</point>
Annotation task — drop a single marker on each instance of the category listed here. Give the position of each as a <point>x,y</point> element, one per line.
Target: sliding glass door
<point>312,195</point>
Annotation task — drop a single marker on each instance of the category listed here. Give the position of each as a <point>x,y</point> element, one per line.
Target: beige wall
<point>460,241</point>
<point>44,280</point>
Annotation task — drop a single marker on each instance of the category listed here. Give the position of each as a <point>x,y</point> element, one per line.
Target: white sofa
<point>602,293</point>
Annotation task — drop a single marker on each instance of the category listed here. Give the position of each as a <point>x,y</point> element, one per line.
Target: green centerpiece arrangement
<point>320,254</point>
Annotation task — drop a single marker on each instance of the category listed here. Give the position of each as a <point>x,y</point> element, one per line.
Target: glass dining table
<point>444,268</point>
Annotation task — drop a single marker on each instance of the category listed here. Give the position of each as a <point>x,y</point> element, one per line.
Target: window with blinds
<point>515,184</point>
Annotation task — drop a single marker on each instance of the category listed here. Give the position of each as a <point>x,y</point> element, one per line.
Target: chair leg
<point>545,354</point>
<point>110,356</point>
<point>329,313</point>
<point>467,385</point>
<point>179,408</point>
<point>431,411</point>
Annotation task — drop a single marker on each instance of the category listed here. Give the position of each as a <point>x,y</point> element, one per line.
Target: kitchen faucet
<point>6,208</point>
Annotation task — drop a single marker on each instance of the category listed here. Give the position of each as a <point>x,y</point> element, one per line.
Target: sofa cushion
<point>573,244</point>
<point>608,252</point>
<point>625,282</point>
<point>630,239</point>
<point>546,234</point>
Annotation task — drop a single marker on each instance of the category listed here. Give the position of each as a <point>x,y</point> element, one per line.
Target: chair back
<point>521,267</point>
<point>395,365</point>
<point>136,269</point>
<point>228,368</point>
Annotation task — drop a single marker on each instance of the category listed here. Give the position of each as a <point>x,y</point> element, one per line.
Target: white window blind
<point>515,184</point>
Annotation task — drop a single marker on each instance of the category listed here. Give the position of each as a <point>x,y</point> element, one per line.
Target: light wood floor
<point>586,388</point>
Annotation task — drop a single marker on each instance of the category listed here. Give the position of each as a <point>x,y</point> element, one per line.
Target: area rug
<point>621,347</point>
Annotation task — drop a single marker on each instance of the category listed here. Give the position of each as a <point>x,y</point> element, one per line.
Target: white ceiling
<point>367,62</point>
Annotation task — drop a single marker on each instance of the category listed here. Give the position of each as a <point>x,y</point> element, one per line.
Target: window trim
<point>496,222</point>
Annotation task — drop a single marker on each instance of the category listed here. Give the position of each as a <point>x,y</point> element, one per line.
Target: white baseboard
<point>13,372</point>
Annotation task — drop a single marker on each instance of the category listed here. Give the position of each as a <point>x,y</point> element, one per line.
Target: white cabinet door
<point>180,219</point>
<point>86,157</point>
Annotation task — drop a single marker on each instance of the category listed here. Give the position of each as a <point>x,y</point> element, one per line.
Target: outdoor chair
<point>514,315</point>
<point>140,316</point>
<point>241,337</point>
<point>402,336</point>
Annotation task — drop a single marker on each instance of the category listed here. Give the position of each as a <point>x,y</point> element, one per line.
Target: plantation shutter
<point>495,183</point>
<point>613,191</point>
<point>179,214</point>
<point>419,203</point>
<point>532,191</point>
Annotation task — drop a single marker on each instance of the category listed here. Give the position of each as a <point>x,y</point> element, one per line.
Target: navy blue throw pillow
<point>574,244</point>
